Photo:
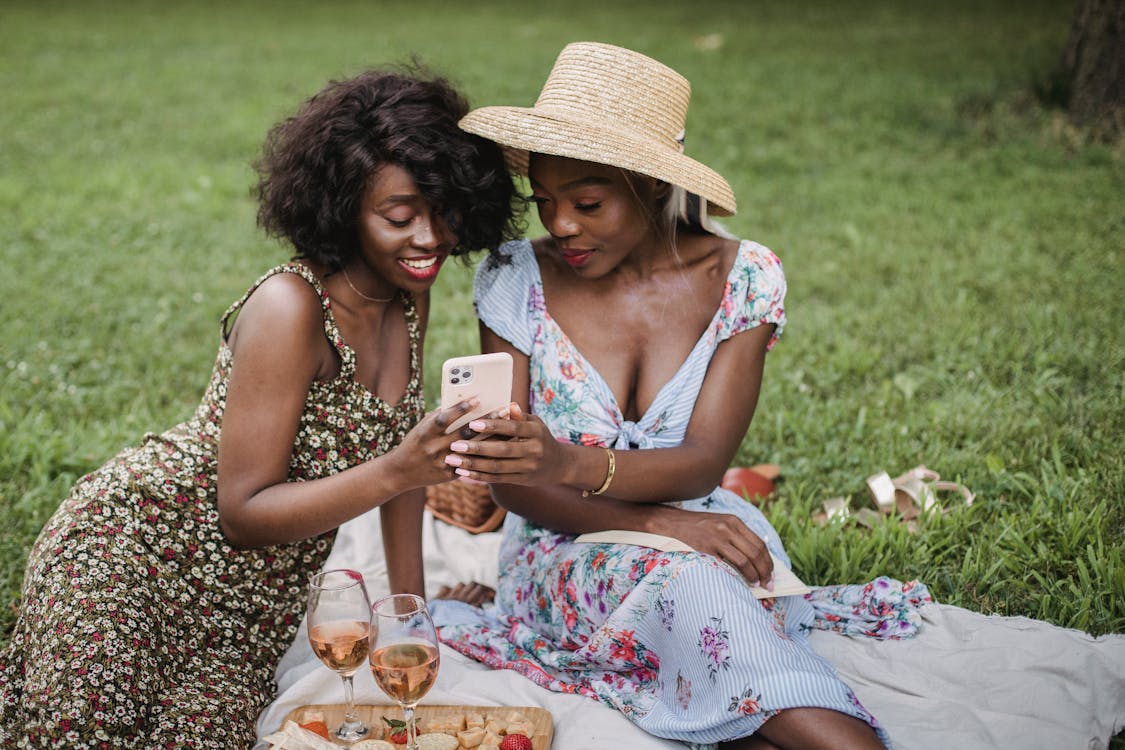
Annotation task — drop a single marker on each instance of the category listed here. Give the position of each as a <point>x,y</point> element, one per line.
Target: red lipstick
<point>576,258</point>
<point>422,267</point>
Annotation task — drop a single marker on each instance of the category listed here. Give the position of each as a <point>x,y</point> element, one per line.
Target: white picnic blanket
<point>968,681</point>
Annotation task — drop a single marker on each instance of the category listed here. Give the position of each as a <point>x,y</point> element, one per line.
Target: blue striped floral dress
<point>674,640</point>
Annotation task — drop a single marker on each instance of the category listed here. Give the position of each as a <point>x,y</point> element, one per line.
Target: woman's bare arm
<point>279,351</point>
<point>401,521</point>
<point>718,424</point>
<point>549,493</point>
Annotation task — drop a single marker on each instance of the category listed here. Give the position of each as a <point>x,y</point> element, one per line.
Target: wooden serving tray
<point>541,722</point>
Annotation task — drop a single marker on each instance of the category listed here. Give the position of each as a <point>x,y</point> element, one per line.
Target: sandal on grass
<point>910,495</point>
<point>836,509</point>
<point>913,493</point>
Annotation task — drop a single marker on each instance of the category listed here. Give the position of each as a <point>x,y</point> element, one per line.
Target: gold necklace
<point>361,294</point>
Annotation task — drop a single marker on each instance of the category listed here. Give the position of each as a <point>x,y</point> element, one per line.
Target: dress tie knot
<point>630,435</point>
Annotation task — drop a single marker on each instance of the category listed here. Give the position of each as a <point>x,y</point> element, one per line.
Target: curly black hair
<point>317,165</point>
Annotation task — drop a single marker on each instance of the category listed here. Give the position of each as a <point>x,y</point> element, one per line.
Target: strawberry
<point>515,742</point>
<point>396,730</point>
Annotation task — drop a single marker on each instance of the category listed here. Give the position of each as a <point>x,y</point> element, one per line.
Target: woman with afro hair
<point>160,596</point>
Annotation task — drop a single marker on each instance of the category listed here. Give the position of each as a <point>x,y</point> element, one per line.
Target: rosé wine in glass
<point>341,644</point>
<point>404,653</point>
<point>405,671</point>
<point>339,619</point>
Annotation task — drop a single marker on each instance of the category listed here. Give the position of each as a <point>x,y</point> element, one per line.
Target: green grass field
<point>954,250</point>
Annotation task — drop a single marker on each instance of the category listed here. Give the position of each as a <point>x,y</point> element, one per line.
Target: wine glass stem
<point>351,729</point>
<point>350,717</point>
<point>411,731</point>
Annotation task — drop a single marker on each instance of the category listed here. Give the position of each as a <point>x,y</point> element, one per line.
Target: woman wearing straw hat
<point>639,336</point>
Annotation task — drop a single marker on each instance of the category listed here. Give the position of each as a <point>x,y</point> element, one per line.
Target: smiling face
<point>596,215</point>
<point>402,240</point>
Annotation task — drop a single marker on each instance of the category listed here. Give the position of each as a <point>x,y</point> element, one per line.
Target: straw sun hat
<point>612,106</point>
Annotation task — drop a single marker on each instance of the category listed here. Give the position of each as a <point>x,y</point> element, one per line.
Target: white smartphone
<point>487,377</point>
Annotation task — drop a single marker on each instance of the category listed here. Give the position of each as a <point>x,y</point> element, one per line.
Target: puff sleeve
<point>503,290</point>
<point>755,293</point>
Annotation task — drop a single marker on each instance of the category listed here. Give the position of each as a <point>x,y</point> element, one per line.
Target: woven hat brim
<point>523,129</point>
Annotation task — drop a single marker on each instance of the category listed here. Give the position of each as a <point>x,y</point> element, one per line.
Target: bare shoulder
<point>284,305</point>
<point>716,254</point>
<point>285,294</point>
<point>729,248</point>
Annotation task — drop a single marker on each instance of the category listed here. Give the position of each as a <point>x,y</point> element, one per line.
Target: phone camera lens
<point>455,381</point>
<point>455,371</point>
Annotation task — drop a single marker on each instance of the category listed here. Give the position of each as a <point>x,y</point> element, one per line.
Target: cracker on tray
<point>521,726</point>
<point>449,723</point>
<point>373,745</point>
<point>471,737</point>
<point>437,741</point>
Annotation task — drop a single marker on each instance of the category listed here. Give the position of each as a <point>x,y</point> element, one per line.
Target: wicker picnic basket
<point>467,505</point>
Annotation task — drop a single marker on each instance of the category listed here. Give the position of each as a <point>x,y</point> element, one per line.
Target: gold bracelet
<point>608,476</point>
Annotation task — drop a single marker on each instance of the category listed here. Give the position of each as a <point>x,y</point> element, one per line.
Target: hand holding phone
<point>486,377</point>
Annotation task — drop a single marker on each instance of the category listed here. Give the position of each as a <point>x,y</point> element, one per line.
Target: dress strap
<point>415,333</point>
<point>347,355</point>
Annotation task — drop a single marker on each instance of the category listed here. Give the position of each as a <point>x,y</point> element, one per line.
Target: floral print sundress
<point>673,640</point>
<point>140,626</point>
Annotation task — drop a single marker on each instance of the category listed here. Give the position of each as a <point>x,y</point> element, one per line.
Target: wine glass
<point>339,632</point>
<point>404,653</point>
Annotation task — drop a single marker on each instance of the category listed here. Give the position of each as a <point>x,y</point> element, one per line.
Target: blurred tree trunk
<point>1092,69</point>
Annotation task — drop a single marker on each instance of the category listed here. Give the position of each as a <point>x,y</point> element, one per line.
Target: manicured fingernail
<point>460,446</point>
<point>504,413</point>
<point>453,460</point>
<point>476,425</point>
<point>769,584</point>
<point>461,472</point>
